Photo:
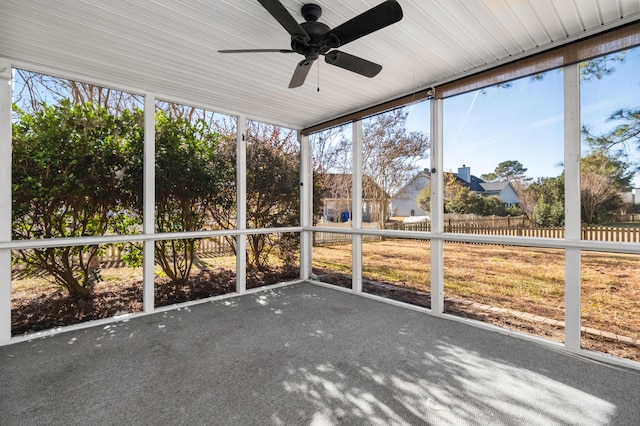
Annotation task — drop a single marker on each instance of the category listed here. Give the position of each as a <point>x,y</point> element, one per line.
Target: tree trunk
<point>76,291</point>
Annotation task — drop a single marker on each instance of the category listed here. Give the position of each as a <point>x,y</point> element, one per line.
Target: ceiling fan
<point>312,38</point>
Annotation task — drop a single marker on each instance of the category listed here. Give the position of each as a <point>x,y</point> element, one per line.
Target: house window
<point>413,213</point>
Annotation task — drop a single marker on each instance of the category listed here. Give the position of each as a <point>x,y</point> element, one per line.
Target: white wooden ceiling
<point>169,47</point>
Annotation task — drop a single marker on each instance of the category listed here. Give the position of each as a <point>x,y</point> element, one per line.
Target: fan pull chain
<point>318,75</point>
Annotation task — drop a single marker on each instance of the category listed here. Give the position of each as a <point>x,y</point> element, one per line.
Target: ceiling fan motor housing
<point>321,41</point>
<point>318,43</point>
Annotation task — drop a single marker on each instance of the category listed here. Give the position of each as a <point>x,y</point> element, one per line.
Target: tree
<point>605,171</point>
<point>71,178</point>
<point>462,201</point>
<point>511,170</point>
<point>423,198</point>
<point>601,66</point>
<point>273,188</point>
<point>548,213</point>
<point>451,185</point>
<point>527,202</point>
<point>35,89</point>
<point>595,68</point>
<point>332,169</point>
<point>545,201</point>
<point>391,156</point>
<point>595,191</point>
<point>465,201</point>
<point>602,178</point>
<point>191,178</point>
<point>331,151</point>
<point>626,133</point>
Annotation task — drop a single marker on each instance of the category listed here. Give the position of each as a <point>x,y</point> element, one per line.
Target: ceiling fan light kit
<point>313,39</point>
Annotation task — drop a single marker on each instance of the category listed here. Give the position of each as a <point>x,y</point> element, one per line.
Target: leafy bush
<point>73,177</point>
<point>273,178</point>
<point>191,178</point>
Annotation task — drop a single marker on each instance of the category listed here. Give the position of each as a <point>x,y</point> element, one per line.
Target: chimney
<point>464,173</point>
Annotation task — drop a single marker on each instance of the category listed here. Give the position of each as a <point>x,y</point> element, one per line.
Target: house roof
<point>495,187</point>
<point>474,185</point>
<point>407,186</point>
<point>170,48</point>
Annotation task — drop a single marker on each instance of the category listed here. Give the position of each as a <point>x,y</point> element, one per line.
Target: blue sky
<point>484,128</point>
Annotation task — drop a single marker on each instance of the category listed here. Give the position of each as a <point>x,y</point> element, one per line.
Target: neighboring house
<point>632,197</point>
<point>404,204</point>
<point>336,200</point>
<point>503,190</point>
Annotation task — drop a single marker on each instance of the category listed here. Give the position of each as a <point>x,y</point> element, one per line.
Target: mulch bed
<point>31,313</point>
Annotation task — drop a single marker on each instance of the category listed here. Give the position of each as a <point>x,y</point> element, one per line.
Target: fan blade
<point>352,63</point>
<point>372,20</point>
<point>256,51</point>
<point>300,74</point>
<point>278,11</point>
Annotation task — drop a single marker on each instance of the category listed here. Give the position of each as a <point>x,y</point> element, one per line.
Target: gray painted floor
<point>305,355</point>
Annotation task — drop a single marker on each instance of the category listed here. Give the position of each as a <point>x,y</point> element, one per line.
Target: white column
<point>241,205</point>
<point>437,208</point>
<point>306,205</point>
<point>149,201</point>
<point>356,206</point>
<point>573,228</point>
<point>5,199</point>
